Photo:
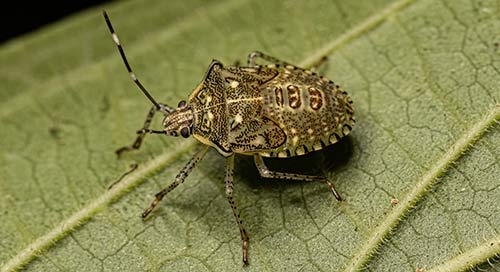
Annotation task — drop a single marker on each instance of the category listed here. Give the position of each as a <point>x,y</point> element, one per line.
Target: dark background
<point>20,17</point>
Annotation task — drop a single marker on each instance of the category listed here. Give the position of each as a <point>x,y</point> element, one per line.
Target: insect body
<point>277,110</point>
<point>274,110</point>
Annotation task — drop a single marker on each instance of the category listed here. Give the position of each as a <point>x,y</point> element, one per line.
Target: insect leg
<point>252,57</point>
<point>318,64</point>
<point>228,182</point>
<point>133,167</point>
<point>266,173</point>
<point>142,132</point>
<point>178,179</point>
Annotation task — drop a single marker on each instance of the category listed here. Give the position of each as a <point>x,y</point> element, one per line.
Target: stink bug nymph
<point>274,110</point>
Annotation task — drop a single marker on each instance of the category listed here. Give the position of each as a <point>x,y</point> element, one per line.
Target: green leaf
<point>424,79</point>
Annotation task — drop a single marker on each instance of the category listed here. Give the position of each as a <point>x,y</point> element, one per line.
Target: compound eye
<point>185,132</point>
<point>182,104</point>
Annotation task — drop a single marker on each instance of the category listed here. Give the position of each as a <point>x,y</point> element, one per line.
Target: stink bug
<point>275,110</point>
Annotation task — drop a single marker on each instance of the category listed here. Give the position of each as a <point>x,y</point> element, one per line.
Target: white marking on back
<point>234,84</point>
<point>260,140</point>
<point>238,118</point>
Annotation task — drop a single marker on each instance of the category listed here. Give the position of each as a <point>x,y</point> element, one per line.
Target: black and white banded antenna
<point>158,106</point>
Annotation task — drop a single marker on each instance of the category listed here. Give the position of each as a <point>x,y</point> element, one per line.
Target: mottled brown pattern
<point>315,98</point>
<point>327,117</point>
<point>208,102</point>
<point>276,111</point>
<point>278,93</point>
<point>294,100</point>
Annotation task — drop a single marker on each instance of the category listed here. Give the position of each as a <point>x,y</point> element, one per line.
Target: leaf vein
<point>392,219</point>
<point>472,257</point>
<point>78,218</point>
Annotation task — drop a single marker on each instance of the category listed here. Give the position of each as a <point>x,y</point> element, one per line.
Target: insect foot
<point>273,110</point>
<point>133,167</point>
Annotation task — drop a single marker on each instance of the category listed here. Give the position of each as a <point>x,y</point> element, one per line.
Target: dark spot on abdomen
<point>294,100</point>
<point>315,98</point>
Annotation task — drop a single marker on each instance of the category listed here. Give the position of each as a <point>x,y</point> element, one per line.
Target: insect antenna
<point>129,69</point>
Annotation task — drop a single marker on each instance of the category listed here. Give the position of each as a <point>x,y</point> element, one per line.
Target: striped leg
<point>178,179</point>
<point>133,167</point>
<point>142,133</point>
<point>317,65</point>
<point>252,57</point>
<point>266,173</point>
<point>228,182</point>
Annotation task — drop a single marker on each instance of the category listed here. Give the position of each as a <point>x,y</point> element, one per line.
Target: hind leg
<point>266,173</point>
<point>252,57</point>
<point>252,61</point>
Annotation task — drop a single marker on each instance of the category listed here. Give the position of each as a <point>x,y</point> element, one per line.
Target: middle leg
<point>266,173</point>
<point>228,185</point>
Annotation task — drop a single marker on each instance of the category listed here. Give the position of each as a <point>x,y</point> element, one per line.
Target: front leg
<point>145,128</point>
<point>228,182</point>
<point>266,173</point>
<point>178,179</point>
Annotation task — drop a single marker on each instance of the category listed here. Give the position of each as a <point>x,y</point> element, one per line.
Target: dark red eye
<point>185,132</point>
<point>182,104</point>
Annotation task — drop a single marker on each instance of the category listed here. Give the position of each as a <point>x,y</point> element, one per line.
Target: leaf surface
<point>424,79</point>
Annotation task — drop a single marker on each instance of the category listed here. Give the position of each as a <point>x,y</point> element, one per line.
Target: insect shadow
<point>330,159</point>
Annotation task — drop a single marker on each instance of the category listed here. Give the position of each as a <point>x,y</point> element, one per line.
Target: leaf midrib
<point>79,217</point>
<point>421,186</point>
